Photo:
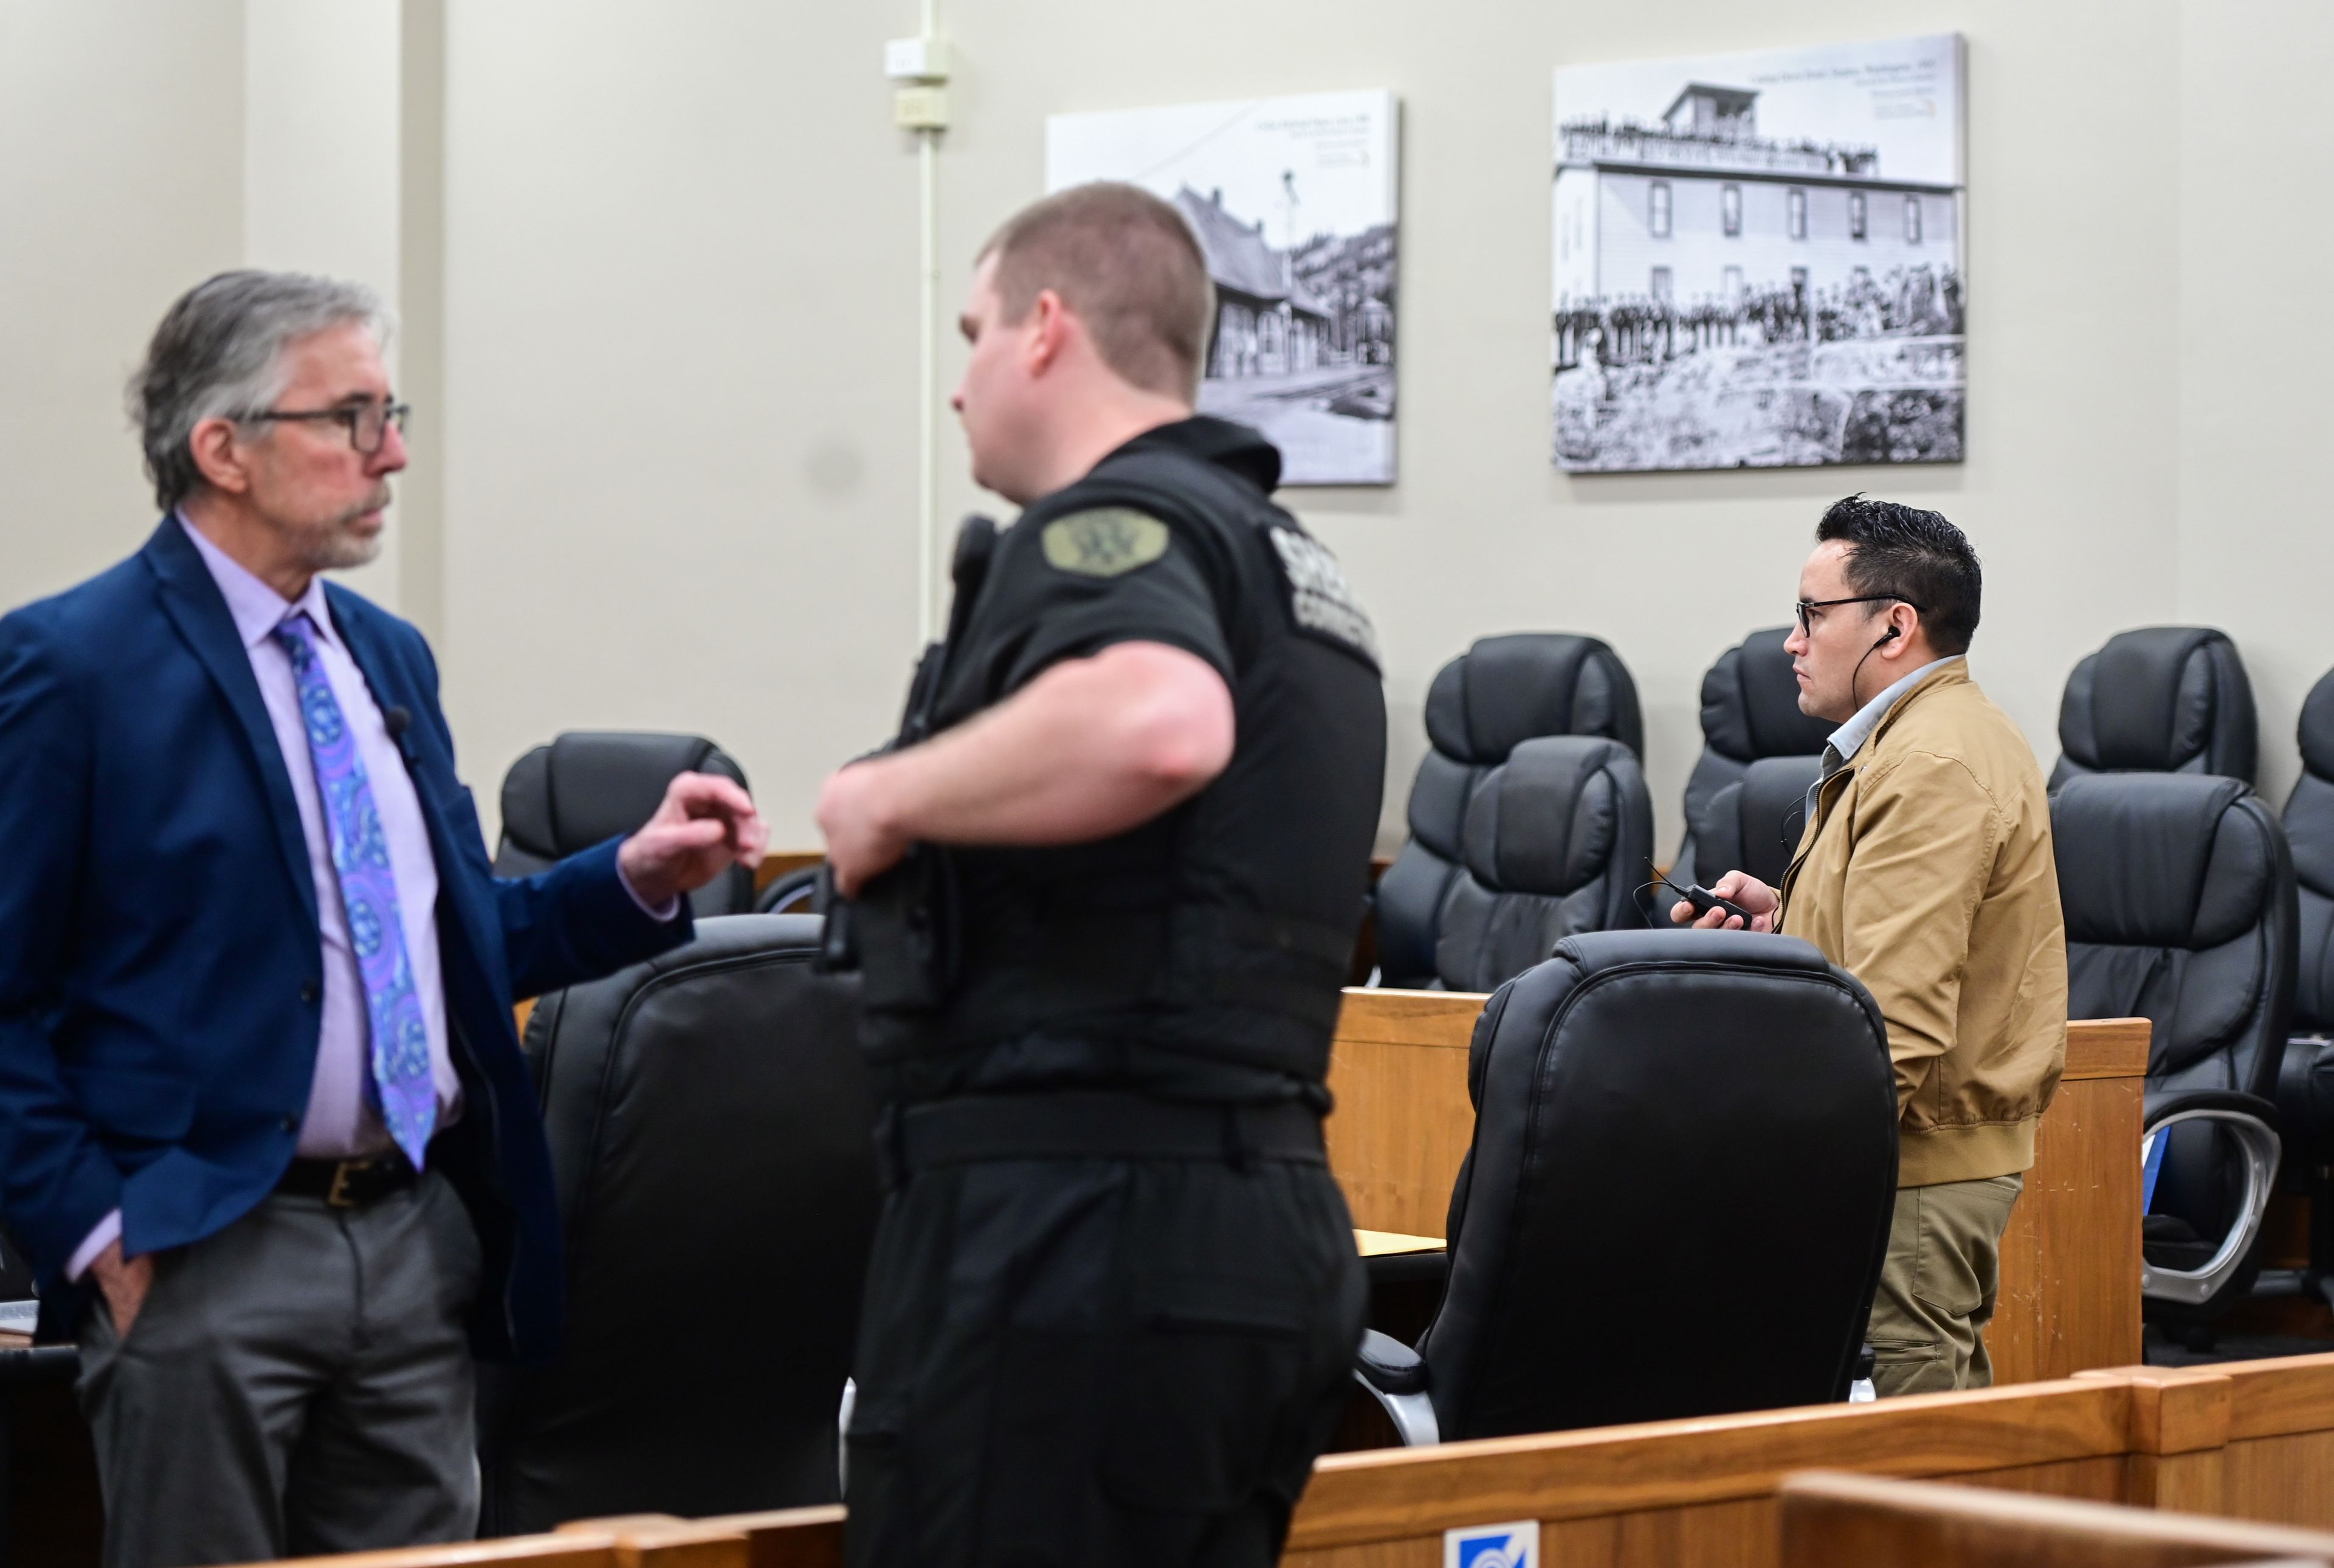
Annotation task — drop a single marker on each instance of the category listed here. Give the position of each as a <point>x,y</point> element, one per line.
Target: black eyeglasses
<point>368,423</point>
<point>1805,605</point>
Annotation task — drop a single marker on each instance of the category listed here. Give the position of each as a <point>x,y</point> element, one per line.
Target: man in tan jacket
<point>1926,870</point>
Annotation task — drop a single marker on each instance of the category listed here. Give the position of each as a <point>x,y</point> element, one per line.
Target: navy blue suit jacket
<point>160,969</point>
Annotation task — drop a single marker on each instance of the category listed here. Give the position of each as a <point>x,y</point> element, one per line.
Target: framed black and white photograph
<point>1292,201</point>
<point>1758,259</point>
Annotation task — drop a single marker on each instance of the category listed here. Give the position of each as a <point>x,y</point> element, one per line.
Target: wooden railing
<point>2251,1440</point>
<point>1831,1521</point>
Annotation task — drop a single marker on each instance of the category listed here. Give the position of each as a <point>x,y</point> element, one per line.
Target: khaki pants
<point>1937,1287</point>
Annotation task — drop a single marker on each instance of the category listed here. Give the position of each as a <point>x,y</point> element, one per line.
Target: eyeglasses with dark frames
<point>367,423</point>
<point>1805,605</point>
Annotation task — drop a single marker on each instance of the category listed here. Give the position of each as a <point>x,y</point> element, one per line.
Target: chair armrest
<point>2230,1104</point>
<point>2252,1122</point>
<point>1395,1376</point>
<point>1388,1365</point>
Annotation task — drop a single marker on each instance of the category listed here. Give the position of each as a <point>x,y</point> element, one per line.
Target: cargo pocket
<point>1203,1392</point>
<point>1958,1267</point>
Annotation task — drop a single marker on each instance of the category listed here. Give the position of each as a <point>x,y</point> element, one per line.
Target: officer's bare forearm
<point>1090,748</point>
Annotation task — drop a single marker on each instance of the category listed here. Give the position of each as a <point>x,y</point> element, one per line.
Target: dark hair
<point>1128,265</point>
<point>1913,555</point>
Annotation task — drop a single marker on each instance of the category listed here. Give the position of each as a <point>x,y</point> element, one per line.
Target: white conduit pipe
<point>928,385</point>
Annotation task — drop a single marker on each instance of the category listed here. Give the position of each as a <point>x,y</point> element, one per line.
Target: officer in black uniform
<point>1114,1299</point>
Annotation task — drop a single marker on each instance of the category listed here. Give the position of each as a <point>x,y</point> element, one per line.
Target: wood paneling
<point>1669,1464</point>
<point>1733,1535</point>
<point>1398,1072</point>
<point>1856,1522</point>
<point>2069,1294</point>
<point>590,1549</point>
<point>2288,1478</point>
<point>779,1538</point>
<point>2253,1440</point>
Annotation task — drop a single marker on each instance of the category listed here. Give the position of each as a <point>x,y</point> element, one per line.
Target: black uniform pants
<point>1091,1361</point>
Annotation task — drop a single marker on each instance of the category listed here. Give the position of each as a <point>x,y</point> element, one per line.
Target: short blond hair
<point>1130,267</point>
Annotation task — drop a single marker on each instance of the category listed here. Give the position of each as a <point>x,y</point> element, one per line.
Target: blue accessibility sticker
<point>1492,1546</point>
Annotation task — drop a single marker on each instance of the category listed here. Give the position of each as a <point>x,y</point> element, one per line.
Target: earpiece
<point>1885,638</point>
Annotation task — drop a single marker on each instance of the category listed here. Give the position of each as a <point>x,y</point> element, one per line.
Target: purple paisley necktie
<point>402,1089</point>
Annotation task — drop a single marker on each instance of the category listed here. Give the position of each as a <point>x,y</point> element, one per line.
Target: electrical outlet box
<point>916,59</point>
<point>919,108</point>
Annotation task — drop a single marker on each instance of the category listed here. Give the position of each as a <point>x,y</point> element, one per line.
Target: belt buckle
<point>338,1197</point>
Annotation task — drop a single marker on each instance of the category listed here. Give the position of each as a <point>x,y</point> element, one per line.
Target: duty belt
<point>1093,1125</point>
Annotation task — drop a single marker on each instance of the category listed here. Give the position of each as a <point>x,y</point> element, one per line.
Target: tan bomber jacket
<point>1926,870</point>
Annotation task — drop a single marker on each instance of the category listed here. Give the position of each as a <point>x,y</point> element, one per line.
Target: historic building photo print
<point>1758,259</point>
<point>1292,201</point>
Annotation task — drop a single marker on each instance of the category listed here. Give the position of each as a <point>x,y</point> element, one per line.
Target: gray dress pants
<point>298,1383</point>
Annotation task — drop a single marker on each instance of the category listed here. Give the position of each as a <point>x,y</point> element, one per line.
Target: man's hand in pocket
<point>125,1282</point>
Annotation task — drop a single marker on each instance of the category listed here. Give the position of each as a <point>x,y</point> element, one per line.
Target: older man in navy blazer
<point>265,1129</point>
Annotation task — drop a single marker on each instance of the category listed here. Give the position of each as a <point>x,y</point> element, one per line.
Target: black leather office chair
<point>588,785</point>
<point>712,1124</point>
<point>2159,700</point>
<point>1749,711</point>
<point>2179,898</point>
<point>1481,705</point>
<point>1754,824</point>
<point>1500,691</point>
<point>2305,1090</point>
<point>1661,1119</point>
<point>1557,840</point>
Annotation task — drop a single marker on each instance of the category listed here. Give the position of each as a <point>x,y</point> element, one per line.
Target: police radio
<point>910,913</point>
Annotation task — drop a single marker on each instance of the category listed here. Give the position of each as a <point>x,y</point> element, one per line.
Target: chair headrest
<point>1751,703</point>
<point>590,786</point>
<point>2161,699</point>
<point>1545,821</point>
<point>2157,859</point>
<point>1595,952</point>
<point>2316,730</point>
<point>1506,689</point>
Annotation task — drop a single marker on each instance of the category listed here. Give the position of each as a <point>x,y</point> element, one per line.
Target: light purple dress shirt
<point>339,1122</point>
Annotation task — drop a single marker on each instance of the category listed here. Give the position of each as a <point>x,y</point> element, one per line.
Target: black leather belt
<point>350,1183</point>
<point>1094,1125</point>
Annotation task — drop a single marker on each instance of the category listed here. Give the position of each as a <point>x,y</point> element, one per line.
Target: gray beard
<point>332,548</point>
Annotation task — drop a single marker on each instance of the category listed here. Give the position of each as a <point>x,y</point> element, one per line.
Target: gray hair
<point>219,354</point>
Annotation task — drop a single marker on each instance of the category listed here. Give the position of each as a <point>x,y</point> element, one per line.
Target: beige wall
<point>144,145</point>
<point>680,349</point>
<point>2071,492</point>
<point>678,415</point>
<point>117,118</point>
<point>2256,391</point>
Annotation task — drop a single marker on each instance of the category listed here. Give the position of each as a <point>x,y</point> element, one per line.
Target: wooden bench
<point>1853,1522</point>
<point>2069,1294</point>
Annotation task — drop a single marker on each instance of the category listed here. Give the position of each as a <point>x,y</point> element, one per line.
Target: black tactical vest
<point>1221,929</point>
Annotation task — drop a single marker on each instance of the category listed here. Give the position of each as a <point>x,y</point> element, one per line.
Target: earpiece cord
<point>1853,676</point>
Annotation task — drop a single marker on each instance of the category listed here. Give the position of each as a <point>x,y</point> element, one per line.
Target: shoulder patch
<point>1104,542</point>
<point>1319,599</point>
